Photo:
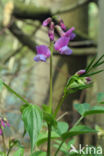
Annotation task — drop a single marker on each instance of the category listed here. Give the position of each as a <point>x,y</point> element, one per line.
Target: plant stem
<point>64,140</point>
<point>3,140</point>
<point>59,148</point>
<point>11,90</point>
<point>50,98</point>
<point>59,104</point>
<point>78,121</point>
<point>9,151</point>
<point>49,140</point>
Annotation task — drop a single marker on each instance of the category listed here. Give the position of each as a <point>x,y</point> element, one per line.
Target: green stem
<point>49,140</point>
<point>59,148</point>
<point>78,121</point>
<point>11,90</point>
<point>50,98</point>
<point>3,140</point>
<point>9,151</point>
<point>64,140</point>
<point>60,104</point>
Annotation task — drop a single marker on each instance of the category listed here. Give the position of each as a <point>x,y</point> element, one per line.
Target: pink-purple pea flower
<point>47,22</point>
<point>62,25</point>
<point>3,124</point>
<point>81,72</point>
<point>61,45</point>
<point>51,31</point>
<point>43,53</point>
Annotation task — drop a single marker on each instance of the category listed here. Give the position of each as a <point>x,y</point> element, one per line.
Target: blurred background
<point>21,31</point>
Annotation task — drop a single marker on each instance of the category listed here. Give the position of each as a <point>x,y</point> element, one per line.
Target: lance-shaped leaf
<point>32,117</point>
<point>85,109</point>
<point>77,130</point>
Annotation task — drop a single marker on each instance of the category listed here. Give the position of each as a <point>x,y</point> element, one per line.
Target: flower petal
<point>40,57</point>
<point>47,21</point>
<point>65,50</point>
<point>61,42</point>
<point>81,72</point>
<point>61,22</point>
<point>69,32</point>
<point>44,50</point>
<point>2,123</point>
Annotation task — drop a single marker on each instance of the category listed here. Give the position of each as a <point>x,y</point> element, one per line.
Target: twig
<point>80,3</point>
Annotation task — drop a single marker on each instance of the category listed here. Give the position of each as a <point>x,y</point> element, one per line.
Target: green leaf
<point>85,109</point>
<point>90,64</point>
<point>61,128</point>
<point>39,153</point>
<point>3,154</point>
<point>82,108</point>
<point>77,130</point>
<point>19,152</point>
<point>100,98</point>
<point>46,108</point>
<point>94,110</point>
<point>49,118</point>
<point>43,137</point>
<point>98,61</point>
<point>23,107</point>
<point>93,73</point>
<point>32,117</point>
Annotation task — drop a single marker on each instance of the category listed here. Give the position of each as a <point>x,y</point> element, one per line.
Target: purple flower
<point>70,33</point>
<point>2,123</point>
<point>62,24</point>
<point>88,80</point>
<point>47,21</point>
<point>81,72</point>
<point>61,45</point>
<point>51,31</point>
<point>43,53</point>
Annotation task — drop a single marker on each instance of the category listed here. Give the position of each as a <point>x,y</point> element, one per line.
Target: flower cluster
<point>3,123</point>
<point>78,81</point>
<point>60,45</point>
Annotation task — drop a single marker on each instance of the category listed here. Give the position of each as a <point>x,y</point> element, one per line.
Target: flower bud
<point>59,30</point>
<point>51,31</point>
<point>61,23</point>
<point>47,22</point>
<point>81,72</point>
<point>88,80</point>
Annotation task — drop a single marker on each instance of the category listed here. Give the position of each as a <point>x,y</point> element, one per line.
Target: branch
<point>80,3</point>
<point>22,37</point>
<point>30,11</point>
<point>24,11</point>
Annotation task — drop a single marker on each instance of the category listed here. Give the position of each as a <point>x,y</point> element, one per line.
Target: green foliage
<point>39,153</point>
<point>61,128</point>
<point>100,98</point>
<point>2,154</point>
<point>32,117</point>
<point>19,152</point>
<point>43,137</point>
<point>77,130</point>
<point>93,65</point>
<point>85,109</point>
<point>65,147</point>
<point>76,83</point>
